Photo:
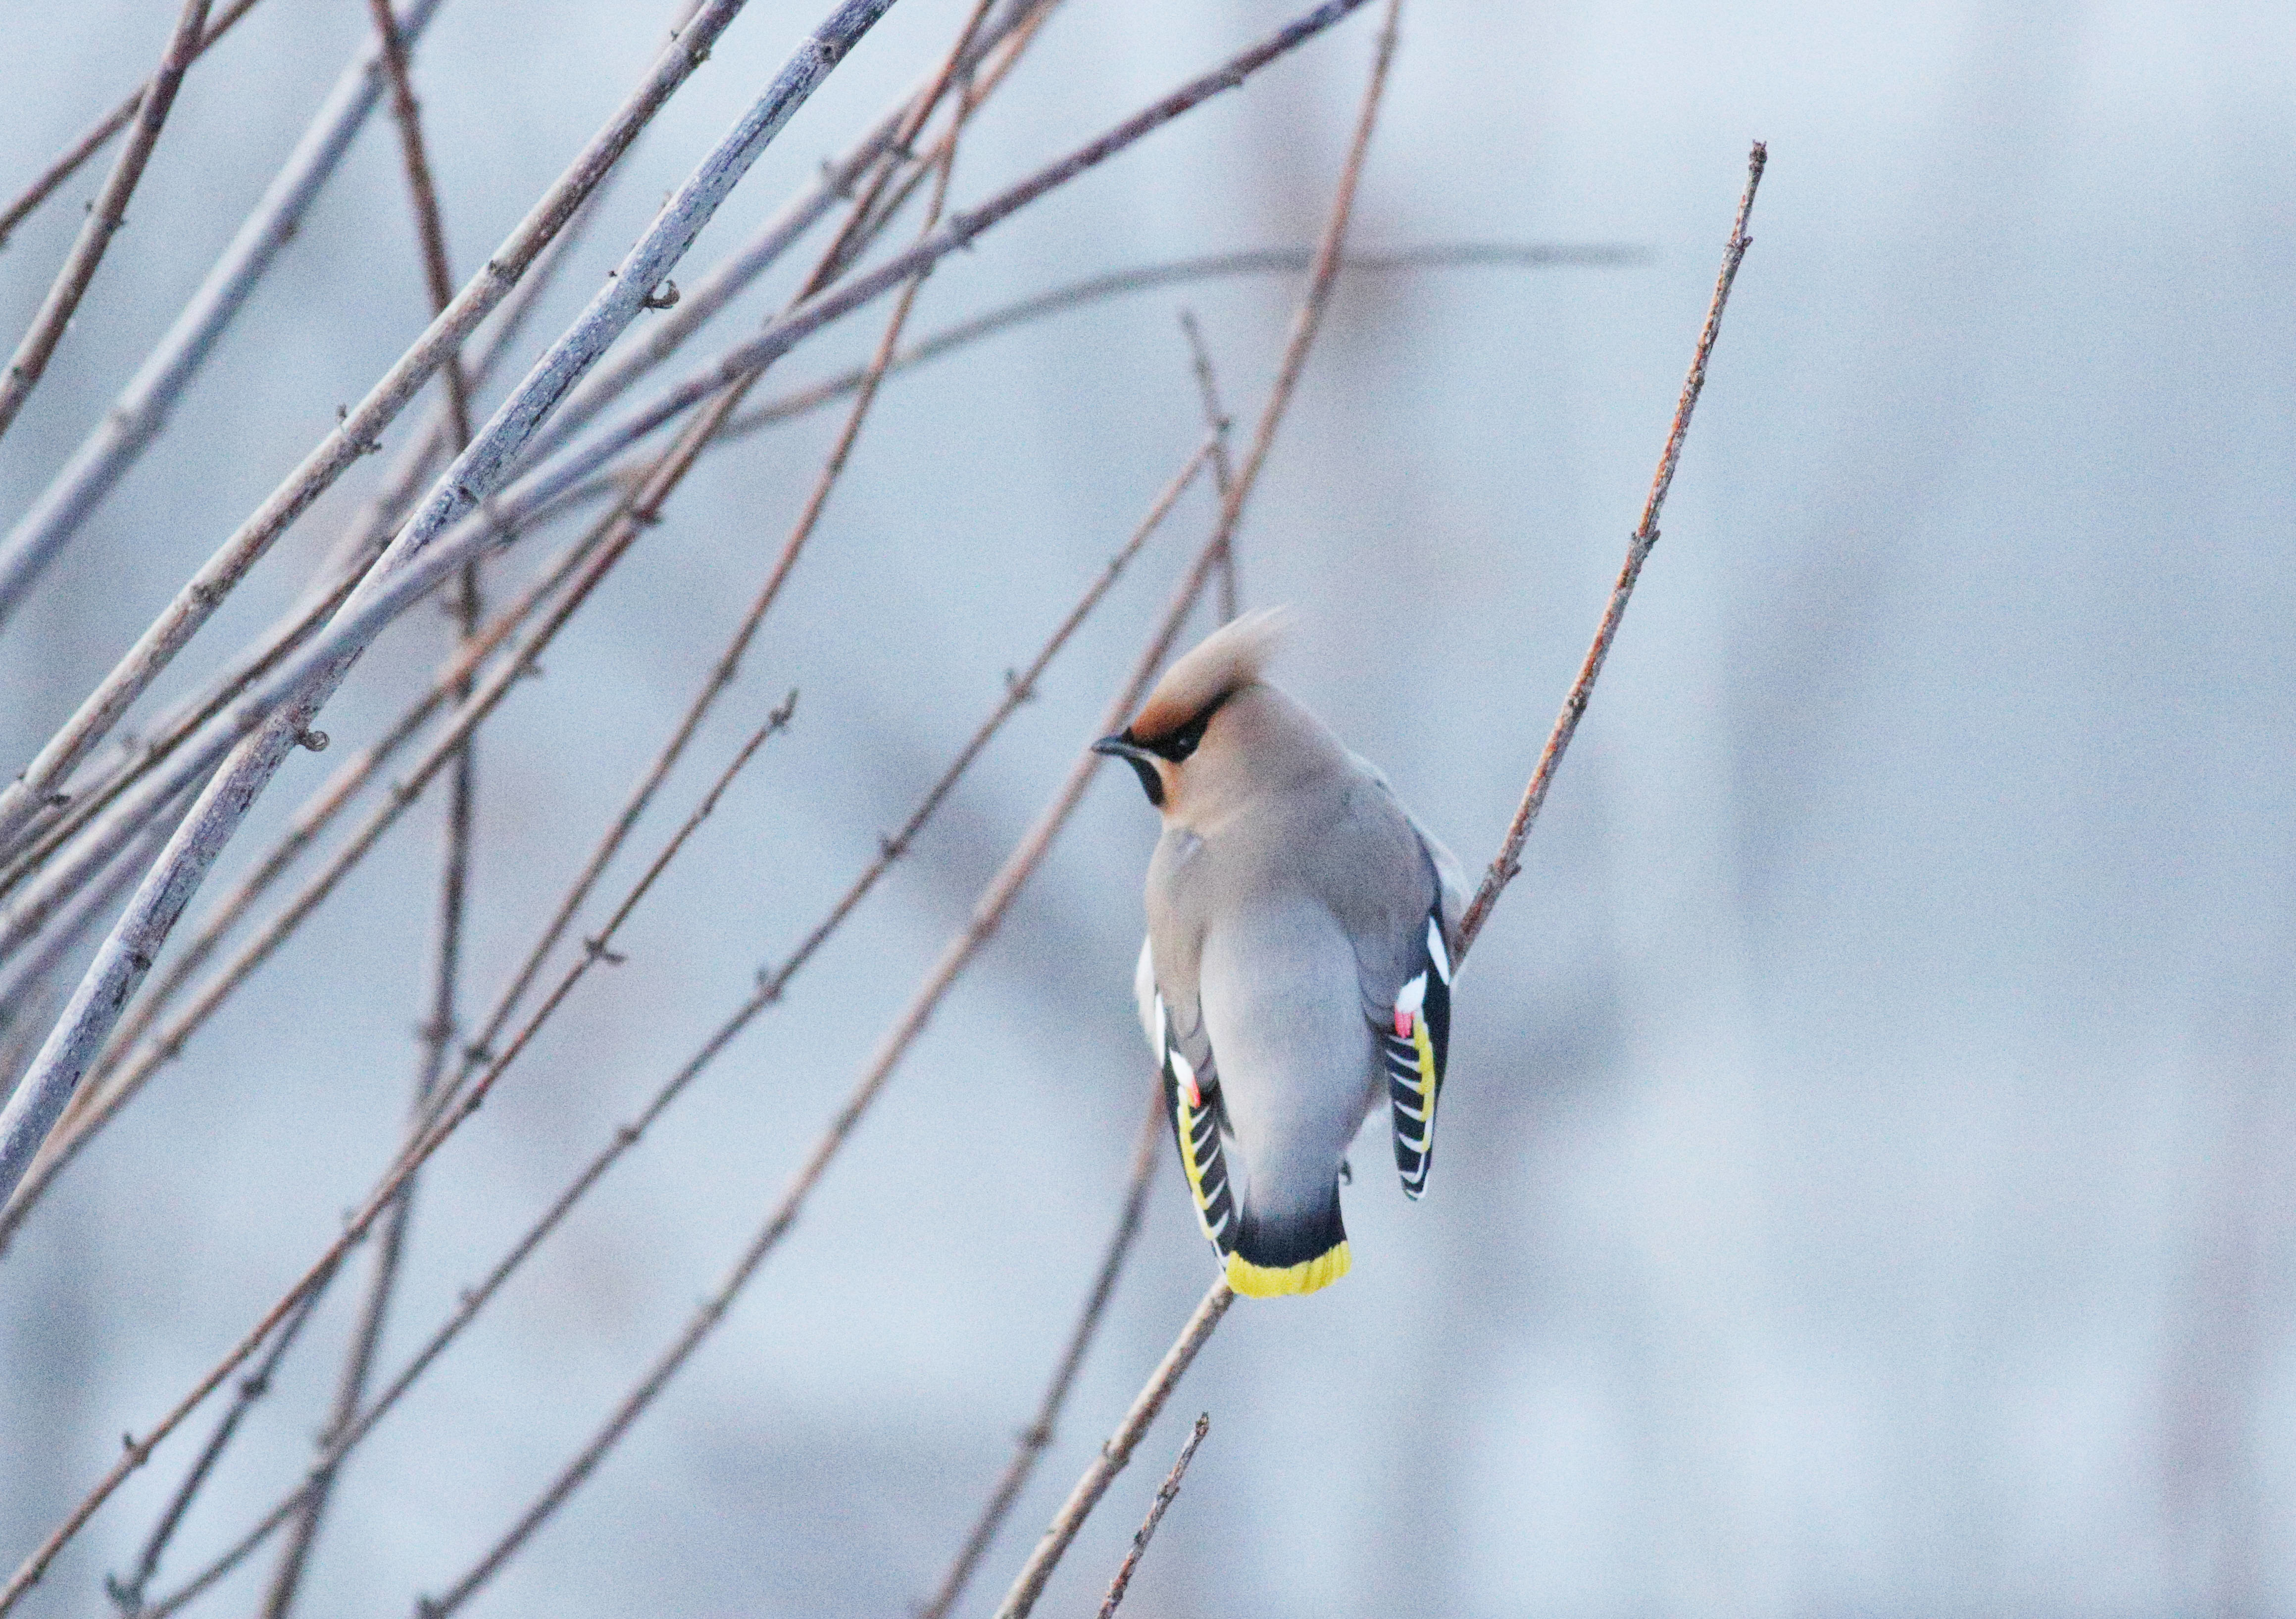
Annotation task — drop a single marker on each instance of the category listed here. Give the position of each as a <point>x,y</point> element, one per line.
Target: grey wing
<point>1191,1100</point>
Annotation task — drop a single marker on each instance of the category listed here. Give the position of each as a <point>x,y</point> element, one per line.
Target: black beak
<point>1143,762</point>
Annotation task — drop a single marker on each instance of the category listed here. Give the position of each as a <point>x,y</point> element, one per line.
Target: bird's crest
<point>1224,662</point>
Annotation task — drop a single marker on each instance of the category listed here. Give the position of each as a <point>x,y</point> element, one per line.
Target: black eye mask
<point>1173,746</point>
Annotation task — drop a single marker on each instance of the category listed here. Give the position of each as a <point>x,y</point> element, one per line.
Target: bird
<point>1297,970</point>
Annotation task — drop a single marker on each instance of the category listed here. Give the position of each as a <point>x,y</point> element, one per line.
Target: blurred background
<point>1866,1165</point>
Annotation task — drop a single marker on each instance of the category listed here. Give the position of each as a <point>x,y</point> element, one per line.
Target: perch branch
<point>1508,860</point>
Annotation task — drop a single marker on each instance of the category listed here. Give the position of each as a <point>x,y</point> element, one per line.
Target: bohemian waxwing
<point>1298,964</point>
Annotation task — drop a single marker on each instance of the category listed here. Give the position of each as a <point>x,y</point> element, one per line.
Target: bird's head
<point>1171,726</point>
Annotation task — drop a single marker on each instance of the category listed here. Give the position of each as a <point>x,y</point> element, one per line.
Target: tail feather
<point>1275,1257</point>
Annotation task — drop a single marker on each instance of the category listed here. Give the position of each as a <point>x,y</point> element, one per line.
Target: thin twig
<point>128,1594</point>
<point>662,478</point>
<point>1183,272</point>
<point>1147,1531</point>
<point>1117,1451</point>
<point>140,410</point>
<point>1223,475</point>
<point>104,219</point>
<point>1305,323</point>
<point>102,131</point>
<point>1038,1436</point>
<point>772,984</point>
<point>1176,1362</point>
<point>429,226</point>
<point>1508,860</point>
<point>558,493</point>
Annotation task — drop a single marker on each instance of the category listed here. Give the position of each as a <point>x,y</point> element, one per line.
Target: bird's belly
<point>1285,1020</point>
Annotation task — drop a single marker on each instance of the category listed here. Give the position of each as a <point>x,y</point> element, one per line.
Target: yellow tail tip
<point>1275,1281</point>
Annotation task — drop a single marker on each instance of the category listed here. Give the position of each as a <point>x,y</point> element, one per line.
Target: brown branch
<point>104,219</point>
<point>1508,860</point>
<point>1038,1436</point>
<point>1223,475</point>
<point>356,1229</point>
<point>988,914</point>
<point>110,123</point>
<point>1171,1488</point>
<point>135,1053</point>
<point>429,226</point>
<point>1118,1451</point>
<point>128,1594</point>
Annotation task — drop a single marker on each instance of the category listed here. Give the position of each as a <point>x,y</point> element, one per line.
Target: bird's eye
<point>1184,743</point>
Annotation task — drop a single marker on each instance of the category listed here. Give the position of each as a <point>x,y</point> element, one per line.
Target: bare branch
<point>362,541</point>
<point>1170,1488</point>
<point>102,131</point>
<point>1508,860</point>
<point>1038,1436</point>
<point>958,955</point>
<point>963,228</point>
<point>429,226</point>
<point>438,1028</point>
<point>104,219</point>
<point>128,1594</point>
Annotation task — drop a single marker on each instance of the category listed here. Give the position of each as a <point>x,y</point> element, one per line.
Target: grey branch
<point>104,219</point>
<point>1156,1509</point>
<point>771,985</point>
<point>362,427</point>
<point>1117,1451</point>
